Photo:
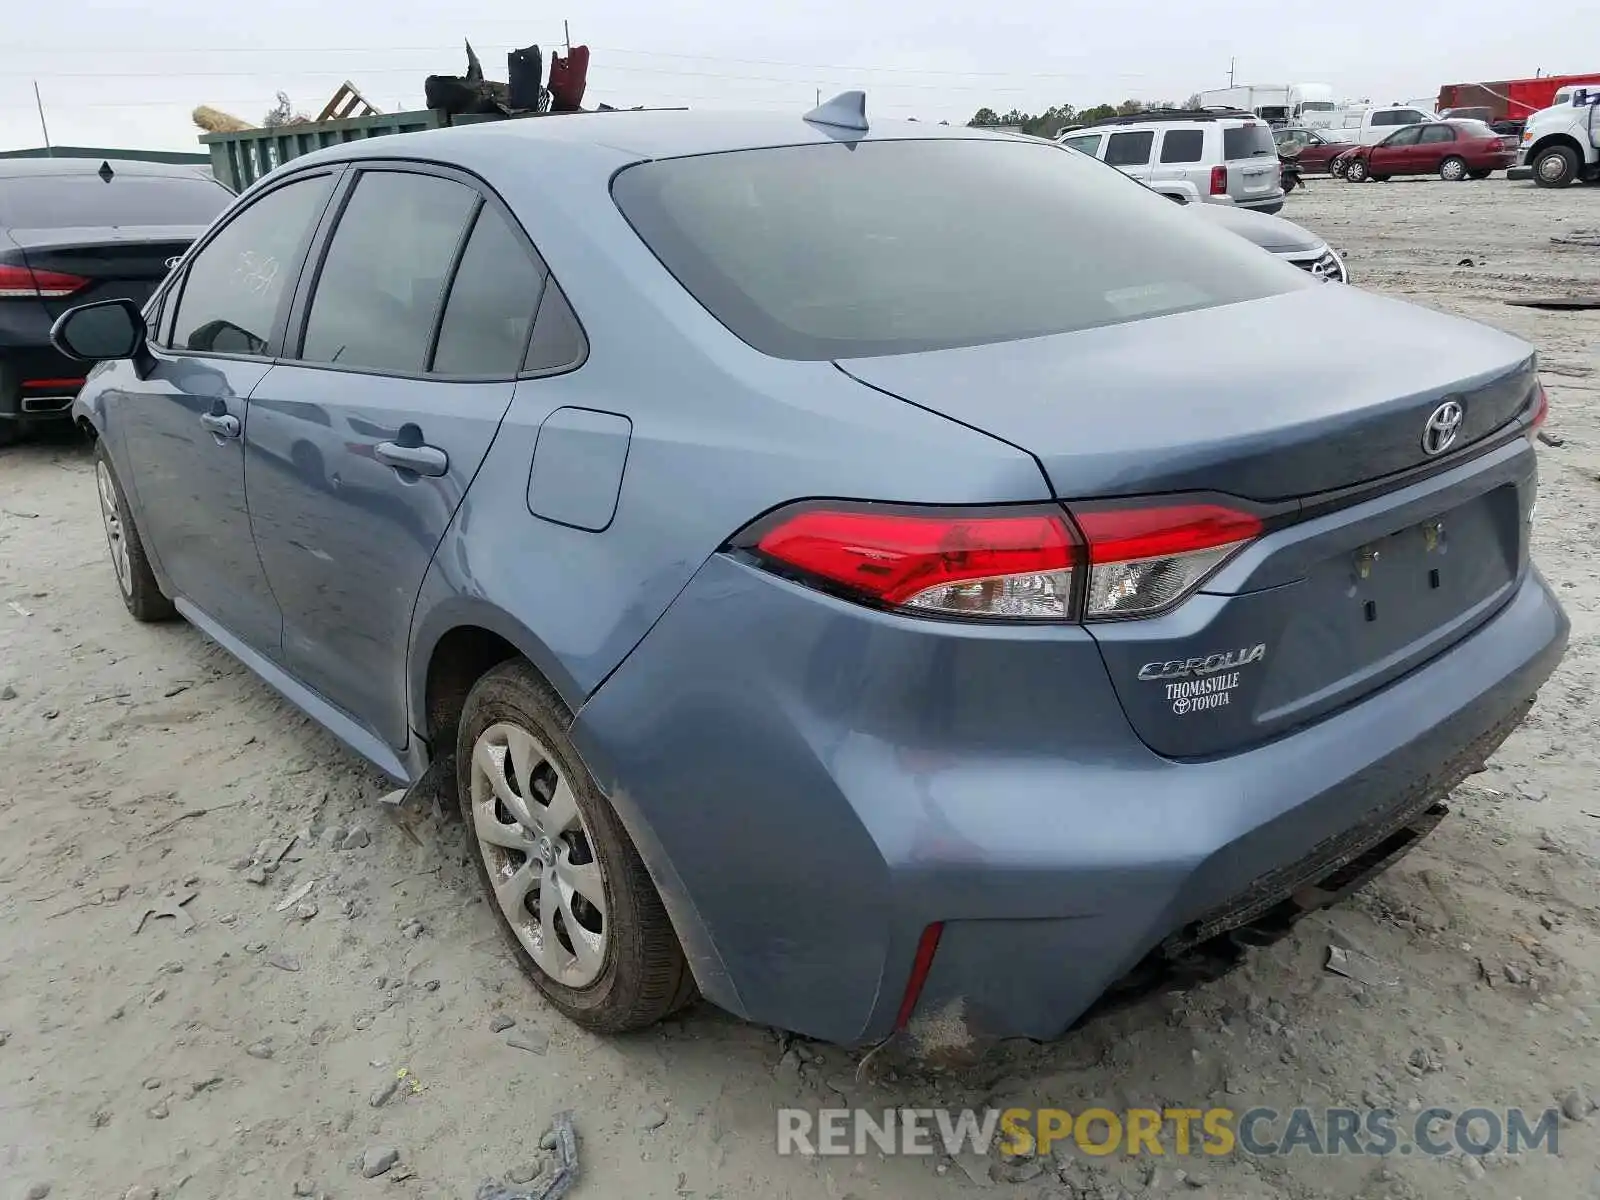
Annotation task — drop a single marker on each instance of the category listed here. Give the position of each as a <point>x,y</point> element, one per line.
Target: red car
<point>1451,149</point>
<point>1313,149</point>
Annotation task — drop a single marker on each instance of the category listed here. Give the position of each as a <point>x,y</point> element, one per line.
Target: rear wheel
<point>1453,169</point>
<point>9,432</point>
<point>569,890</point>
<point>1479,174</point>
<point>1555,166</point>
<point>1356,170</point>
<point>136,582</point>
<point>1336,169</point>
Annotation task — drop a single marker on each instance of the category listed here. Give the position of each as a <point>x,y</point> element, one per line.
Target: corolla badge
<point>1439,434</point>
<point>1204,664</point>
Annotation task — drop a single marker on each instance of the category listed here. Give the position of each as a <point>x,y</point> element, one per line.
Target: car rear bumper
<point>37,385</point>
<point>1270,204</point>
<point>813,784</point>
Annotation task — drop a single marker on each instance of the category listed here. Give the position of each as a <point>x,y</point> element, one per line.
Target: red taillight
<point>1145,558</point>
<point>927,946</point>
<point>1131,559</point>
<point>1006,564</point>
<point>1541,409</point>
<point>24,283</point>
<point>1219,181</point>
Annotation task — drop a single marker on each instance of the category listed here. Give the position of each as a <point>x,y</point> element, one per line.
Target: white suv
<point>1222,156</point>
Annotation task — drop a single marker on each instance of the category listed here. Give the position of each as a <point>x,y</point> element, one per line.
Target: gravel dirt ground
<point>335,946</point>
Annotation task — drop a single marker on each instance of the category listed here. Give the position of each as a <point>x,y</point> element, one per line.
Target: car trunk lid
<point>1243,399</point>
<point>120,263</point>
<point>1376,556</point>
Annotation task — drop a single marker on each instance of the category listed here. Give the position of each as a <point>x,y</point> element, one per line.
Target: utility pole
<point>40,103</point>
<point>819,97</point>
<point>566,33</point>
<point>1231,61</point>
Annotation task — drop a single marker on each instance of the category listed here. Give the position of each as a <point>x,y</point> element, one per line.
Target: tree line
<point>1047,123</point>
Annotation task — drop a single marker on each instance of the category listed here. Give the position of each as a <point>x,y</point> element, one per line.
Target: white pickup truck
<point>1561,144</point>
<point>1365,126</point>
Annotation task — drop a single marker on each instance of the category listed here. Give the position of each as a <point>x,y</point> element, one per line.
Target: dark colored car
<point>1312,150</point>
<point>823,590</point>
<point>76,230</point>
<point>1453,150</point>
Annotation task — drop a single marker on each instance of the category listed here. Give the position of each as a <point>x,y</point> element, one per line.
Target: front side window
<point>1403,137</point>
<point>492,301</point>
<point>384,275</point>
<point>235,284</point>
<point>1130,149</point>
<point>891,247</point>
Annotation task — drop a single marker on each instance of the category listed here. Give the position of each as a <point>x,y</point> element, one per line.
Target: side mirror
<point>107,329</point>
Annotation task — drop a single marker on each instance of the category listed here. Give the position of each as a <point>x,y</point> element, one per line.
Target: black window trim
<point>300,309</point>
<point>173,287</point>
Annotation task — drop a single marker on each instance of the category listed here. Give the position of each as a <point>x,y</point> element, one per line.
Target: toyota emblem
<point>1439,434</point>
<point>174,261</point>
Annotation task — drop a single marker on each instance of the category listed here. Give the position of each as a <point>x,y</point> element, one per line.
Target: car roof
<point>631,136</point>
<point>18,167</point>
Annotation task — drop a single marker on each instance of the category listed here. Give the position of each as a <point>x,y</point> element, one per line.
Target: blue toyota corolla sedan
<point>863,576</point>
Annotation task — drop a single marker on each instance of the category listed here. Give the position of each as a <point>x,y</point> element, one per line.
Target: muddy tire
<point>136,582</point>
<point>566,886</point>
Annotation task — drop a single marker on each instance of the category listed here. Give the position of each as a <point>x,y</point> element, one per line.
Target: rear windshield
<point>72,201</point>
<point>1474,129</point>
<point>848,250</point>
<point>1248,141</point>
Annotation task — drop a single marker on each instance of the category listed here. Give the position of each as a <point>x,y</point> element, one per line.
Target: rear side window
<point>1130,149</point>
<point>492,302</point>
<point>890,247</point>
<point>233,287</point>
<point>1087,144</point>
<point>1437,133</point>
<point>558,341</point>
<point>384,275</point>
<point>1248,141</point>
<point>71,201</point>
<point>1182,145</point>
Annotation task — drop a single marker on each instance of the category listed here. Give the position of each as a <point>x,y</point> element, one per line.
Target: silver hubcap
<point>539,854</point>
<point>1454,170</point>
<point>1552,166</point>
<point>115,538</point>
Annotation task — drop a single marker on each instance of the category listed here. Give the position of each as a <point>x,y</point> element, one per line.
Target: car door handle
<point>420,460</point>
<point>224,425</point>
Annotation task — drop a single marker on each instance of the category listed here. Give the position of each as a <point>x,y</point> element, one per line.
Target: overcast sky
<point>113,73</point>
